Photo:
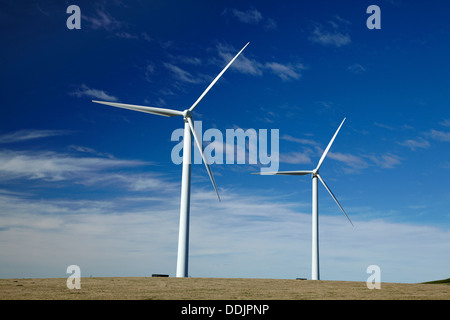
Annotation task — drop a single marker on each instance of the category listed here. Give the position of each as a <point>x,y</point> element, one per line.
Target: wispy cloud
<point>195,61</point>
<point>393,128</point>
<point>53,166</point>
<point>439,135</point>
<point>329,38</point>
<point>445,123</point>
<point>102,19</point>
<point>90,151</point>
<point>423,142</point>
<point>333,36</point>
<point>352,161</point>
<point>85,91</point>
<point>299,140</point>
<point>130,181</point>
<point>126,35</point>
<point>356,68</point>
<point>285,71</point>
<point>182,75</point>
<point>386,161</point>
<point>29,134</point>
<point>414,144</point>
<point>296,157</point>
<point>384,126</point>
<point>133,36</point>
<point>116,237</point>
<point>242,64</point>
<point>250,16</point>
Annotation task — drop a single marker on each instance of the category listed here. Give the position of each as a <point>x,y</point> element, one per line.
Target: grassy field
<point>136,288</point>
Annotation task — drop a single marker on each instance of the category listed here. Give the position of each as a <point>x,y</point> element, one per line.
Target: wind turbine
<point>315,203</point>
<point>187,114</point>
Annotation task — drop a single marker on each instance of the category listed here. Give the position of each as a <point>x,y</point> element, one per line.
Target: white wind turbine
<point>183,238</point>
<point>315,203</point>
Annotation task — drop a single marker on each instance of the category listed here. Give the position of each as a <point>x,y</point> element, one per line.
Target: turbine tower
<point>315,203</point>
<point>183,237</point>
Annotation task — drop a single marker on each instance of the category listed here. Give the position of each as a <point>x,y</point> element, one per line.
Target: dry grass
<point>214,289</point>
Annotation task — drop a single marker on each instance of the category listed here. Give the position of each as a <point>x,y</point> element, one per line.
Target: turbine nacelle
<point>187,114</point>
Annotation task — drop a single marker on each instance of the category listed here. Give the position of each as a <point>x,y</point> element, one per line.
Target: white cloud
<point>131,181</point>
<point>299,140</point>
<point>341,21</point>
<point>29,134</point>
<point>149,70</point>
<point>356,163</point>
<point>420,142</point>
<point>102,19</point>
<point>352,161</point>
<point>45,236</point>
<point>382,125</point>
<point>333,37</point>
<point>242,64</point>
<point>445,123</point>
<point>285,72</point>
<point>328,38</point>
<point>91,151</point>
<point>182,75</point>
<point>52,166</point>
<point>414,144</point>
<point>85,91</point>
<point>126,35</point>
<point>356,68</point>
<point>245,235</point>
<point>386,161</point>
<point>251,16</point>
<point>439,135</point>
<point>270,24</point>
<point>188,60</point>
<point>295,157</point>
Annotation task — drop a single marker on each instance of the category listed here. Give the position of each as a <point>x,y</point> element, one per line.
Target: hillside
<point>444,281</point>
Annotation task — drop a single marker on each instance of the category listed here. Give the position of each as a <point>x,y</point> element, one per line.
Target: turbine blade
<point>215,80</point>
<point>158,111</point>
<point>290,173</point>
<point>200,148</point>
<point>335,199</point>
<point>329,146</point>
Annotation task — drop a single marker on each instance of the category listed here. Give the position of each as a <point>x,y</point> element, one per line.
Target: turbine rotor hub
<point>187,114</point>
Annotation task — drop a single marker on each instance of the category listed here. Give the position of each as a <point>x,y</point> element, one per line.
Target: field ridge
<point>153,288</point>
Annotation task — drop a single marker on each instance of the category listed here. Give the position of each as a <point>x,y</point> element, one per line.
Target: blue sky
<point>92,185</point>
